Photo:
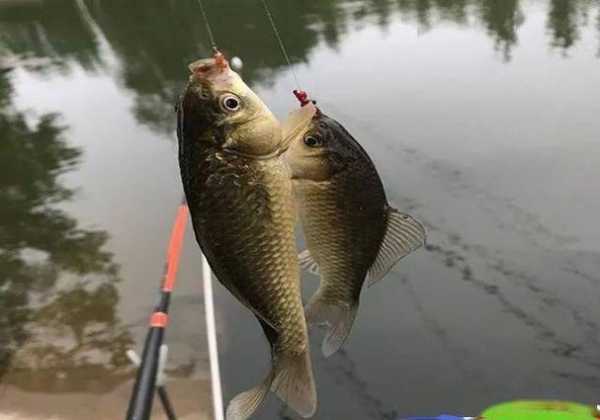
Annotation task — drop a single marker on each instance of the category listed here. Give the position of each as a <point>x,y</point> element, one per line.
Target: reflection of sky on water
<point>479,114</point>
<point>154,41</point>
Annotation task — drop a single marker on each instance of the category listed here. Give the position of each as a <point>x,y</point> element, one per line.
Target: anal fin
<point>338,318</point>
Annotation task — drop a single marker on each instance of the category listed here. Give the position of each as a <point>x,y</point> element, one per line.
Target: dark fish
<point>351,231</point>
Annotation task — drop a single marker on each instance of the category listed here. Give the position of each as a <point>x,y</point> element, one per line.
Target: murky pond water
<point>481,115</point>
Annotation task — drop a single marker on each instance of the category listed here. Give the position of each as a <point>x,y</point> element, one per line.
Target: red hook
<point>220,59</point>
<point>302,96</point>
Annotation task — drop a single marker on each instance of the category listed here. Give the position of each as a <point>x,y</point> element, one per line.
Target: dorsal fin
<point>403,235</point>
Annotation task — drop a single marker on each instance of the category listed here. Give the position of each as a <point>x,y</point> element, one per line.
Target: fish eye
<point>313,141</point>
<point>230,103</point>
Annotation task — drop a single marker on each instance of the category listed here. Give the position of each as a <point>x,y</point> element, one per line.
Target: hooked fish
<point>352,233</point>
<point>240,197</point>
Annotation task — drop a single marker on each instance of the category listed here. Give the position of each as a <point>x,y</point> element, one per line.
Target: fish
<point>239,192</point>
<point>352,233</point>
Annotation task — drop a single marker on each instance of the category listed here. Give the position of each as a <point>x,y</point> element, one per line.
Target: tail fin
<point>291,379</point>
<point>294,383</point>
<point>338,317</point>
<point>245,404</point>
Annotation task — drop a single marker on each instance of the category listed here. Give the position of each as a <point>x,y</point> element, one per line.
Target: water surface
<point>481,116</point>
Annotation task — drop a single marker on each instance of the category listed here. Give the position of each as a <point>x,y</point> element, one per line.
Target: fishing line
<point>281,45</point>
<point>208,29</point>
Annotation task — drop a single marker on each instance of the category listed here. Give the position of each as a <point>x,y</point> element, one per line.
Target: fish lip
<point>200,65</point>
<point>205,67</point>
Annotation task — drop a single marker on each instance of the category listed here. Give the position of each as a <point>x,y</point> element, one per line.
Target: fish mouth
<point>297,124</point>
<point>206,68</point>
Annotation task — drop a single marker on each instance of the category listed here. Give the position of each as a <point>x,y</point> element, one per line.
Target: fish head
<point>223,111</point>
<point>322,150</point>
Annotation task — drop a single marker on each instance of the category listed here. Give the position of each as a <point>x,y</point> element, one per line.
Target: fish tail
<point>291,379</point>
<point>337,316</point>
<point>294,383</point>
<point>243,405</point>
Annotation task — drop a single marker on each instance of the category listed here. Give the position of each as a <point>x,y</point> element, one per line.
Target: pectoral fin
<point>308,263</point>
<point>403,235</point>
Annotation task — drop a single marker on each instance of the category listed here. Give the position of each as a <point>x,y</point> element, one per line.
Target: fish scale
<point>333,231</point>
<point>239,193</point>
<point>351,231</point>
<point>237,227</point>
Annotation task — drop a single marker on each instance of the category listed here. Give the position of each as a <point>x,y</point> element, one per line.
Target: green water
<point>481,115</point>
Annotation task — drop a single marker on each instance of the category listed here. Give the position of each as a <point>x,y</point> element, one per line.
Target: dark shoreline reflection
<point>53,31</point>
<point>564,20</point>
<point>155,40</point>
<point>58,289</point>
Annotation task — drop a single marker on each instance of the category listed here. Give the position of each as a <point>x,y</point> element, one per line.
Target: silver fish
<point>240,197</point>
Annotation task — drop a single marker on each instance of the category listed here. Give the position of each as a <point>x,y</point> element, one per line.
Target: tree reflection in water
<point>154,40</point>
<point>57,288</point>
